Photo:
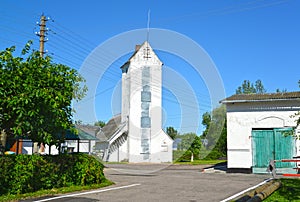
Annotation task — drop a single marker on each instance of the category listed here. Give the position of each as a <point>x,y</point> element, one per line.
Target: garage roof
<point>262,97</point>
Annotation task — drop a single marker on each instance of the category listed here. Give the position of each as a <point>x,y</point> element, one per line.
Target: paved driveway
<point>168,183</point>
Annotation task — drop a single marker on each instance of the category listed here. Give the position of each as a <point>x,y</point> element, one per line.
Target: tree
<point>259,87</point>
<point>191,143</point>
<point>206,119</point>
<point>215,132</point>
<point>36,96</point>
<point>247,87</point>
<point>100,123</point>
<point>172,132</point>
<point>195,147</point>
<point>281,91</point>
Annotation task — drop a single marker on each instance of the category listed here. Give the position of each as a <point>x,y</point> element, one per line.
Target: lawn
<point>201,162</point>
<point>290,191</point>
<point>52,192</point>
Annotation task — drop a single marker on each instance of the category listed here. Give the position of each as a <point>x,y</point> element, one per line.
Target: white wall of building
<point>243,117</point>
<point>144,143</point>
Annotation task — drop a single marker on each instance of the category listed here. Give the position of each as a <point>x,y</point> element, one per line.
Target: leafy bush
<point>6,165</point>
<point>213,155</point>
<point>185,156</point>
<point>28,173</point>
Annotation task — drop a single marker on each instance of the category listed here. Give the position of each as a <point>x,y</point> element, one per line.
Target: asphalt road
<point>137,183</point>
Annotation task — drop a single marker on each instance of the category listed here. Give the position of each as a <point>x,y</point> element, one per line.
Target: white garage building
<point>258,130</point>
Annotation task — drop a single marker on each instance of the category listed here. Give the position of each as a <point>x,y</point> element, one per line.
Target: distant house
<point>258,128</point>
<point>175,143</point>
<point>83,142</point>
<point>136,134</point>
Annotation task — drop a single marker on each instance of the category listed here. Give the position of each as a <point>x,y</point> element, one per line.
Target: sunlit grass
<point>201,162</point>
<point>54,191</point>
<point>289,191</point>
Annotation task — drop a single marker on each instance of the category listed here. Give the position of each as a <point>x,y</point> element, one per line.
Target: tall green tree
<point>247,87</point>
<point>215,131</point>
<point>172,132</point>
<point>206,120</point>
<point>191,143</point>
<point>36,96</point>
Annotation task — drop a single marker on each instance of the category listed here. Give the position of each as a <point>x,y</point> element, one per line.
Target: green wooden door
<point>263,149</point>
<point>284,149</point>
<point>272,144</point>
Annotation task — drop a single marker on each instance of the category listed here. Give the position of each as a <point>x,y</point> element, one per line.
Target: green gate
<point>273,144</point>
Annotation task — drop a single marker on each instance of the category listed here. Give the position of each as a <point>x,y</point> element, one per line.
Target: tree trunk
<point>192,157</point>
<point>3,137</point>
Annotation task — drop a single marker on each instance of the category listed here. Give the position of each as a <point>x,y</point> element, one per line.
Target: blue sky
<point>246,40</point>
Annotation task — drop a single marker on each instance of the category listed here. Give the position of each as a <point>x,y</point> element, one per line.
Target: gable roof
<point>137,49</point>
<point>82,135</point>
<point>262,97</point>
<point>110,128</point>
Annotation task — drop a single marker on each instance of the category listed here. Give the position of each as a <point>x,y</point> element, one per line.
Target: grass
<point>51,192</point>
<point>114,162</point>
<point>201,162</point>
<point>290,191</point>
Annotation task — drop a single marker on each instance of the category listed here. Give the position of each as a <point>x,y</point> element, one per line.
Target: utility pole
<point>42,33</point>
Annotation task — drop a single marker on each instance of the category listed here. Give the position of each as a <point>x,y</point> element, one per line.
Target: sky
<point>208,48</point>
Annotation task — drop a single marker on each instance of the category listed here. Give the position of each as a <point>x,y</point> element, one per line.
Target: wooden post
<point>42,34</point>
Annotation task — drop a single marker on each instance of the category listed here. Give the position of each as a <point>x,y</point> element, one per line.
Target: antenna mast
<point>148,30</point>
<point>148,26</point>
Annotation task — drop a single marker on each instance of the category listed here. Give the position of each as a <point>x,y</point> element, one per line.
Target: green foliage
<point>186,141</point>
<point>55,191</point>
<point>177,154</point>
<point>247,87</point>
<point>185,157</point>
<point>213,155</point>
<point>215,126</point>
<point>36,96</point>
<point>172,132</point>
<point>215,132</point>
<point>206,119</point>
<point>281,91</point>
<point>100,123</point>
<point>29,173</point>
<point>196,146</point>
<point>6,166</point>
<point>32,173</point>
<point>191,144</point>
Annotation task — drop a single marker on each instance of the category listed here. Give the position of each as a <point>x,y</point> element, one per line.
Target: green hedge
<point>214,155</point>
<point>28,173</point>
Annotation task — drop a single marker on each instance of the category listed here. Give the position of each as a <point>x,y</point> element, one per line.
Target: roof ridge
<point>262,97</point>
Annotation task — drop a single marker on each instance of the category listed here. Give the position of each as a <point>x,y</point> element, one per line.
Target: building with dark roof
<point>262,128</point>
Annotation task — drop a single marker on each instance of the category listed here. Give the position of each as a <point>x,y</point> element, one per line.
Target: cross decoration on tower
<point>147,52</point>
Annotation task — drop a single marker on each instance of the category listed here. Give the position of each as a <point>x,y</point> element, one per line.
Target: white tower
<point>142,107</point>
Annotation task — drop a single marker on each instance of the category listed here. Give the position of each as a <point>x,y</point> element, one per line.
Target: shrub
<point>214,155</point>
<point>6,173</point>
<point>28,173</point>
<point>185,156</point>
